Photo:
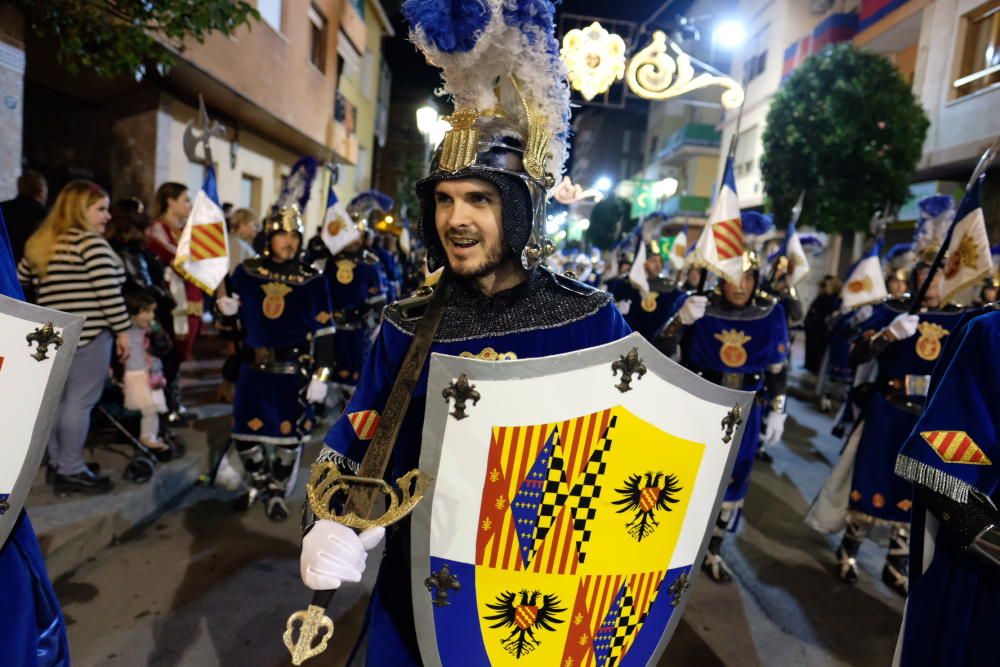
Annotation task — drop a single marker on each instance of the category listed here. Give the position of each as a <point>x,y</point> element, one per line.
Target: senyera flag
<point>721,246</point>
<point>566,532</point>
<point>203,249</point>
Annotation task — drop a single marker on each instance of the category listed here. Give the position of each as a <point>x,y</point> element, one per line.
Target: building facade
<point>302,81</point>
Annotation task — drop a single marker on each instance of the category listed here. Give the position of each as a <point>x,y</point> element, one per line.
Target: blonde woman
<point>244,225</point>
<point>69,266</point>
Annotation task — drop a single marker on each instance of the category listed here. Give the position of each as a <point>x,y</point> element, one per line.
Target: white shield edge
<point>27,418</point>
<point>445,368</point>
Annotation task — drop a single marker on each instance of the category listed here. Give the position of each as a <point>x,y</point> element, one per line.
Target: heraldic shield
<point>573,499</point>
<point>36,348</point>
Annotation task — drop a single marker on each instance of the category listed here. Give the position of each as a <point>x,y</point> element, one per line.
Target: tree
<point>845,129</point>
<point>122,37</point>
<point>608,221</point>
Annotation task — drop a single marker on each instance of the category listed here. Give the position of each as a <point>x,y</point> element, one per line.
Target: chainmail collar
<point>543,301</point>
<point>758,307</point>
<point>293,271</point>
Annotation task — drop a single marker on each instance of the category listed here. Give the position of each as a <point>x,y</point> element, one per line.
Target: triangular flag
<point>865,283</point>
<point>203,250</point>
<point>720,247</point>
<point>339,231</point>
<point>678,249</point>
<point>638,272</point>
<point>968,258</point>
<point>798,265</point>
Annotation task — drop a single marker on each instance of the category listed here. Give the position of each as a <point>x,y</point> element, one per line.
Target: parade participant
<point>955,576</point>
<point>284,313</point>
<point>737,338</point>
<point>889,409</point>
<point>357,293</point>
<point>482,220</point>
<point>644,297</point>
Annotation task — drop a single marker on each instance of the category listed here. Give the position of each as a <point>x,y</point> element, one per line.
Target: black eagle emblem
<point>643,495</point>
<point>524,618</point>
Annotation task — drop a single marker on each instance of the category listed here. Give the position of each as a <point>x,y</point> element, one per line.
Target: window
<point>743,162</point>
<point>368,75</point>
<point>270,12</point>
<point>317,39</point>
<point>250,192</point>
<point>361,171</point>
<point>359,6</point>
<point>349,63</point>
<point>980,55</point>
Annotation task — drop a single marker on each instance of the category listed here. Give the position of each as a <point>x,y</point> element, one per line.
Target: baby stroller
<point>112,422</point>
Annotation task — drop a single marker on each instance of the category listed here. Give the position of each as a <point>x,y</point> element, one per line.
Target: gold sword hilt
<point>325,482</point>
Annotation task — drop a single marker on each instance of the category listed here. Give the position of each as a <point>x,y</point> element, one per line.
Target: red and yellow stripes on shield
<point>208,241</point>
<point>591,617</point>
<point>512,452</point>
<point>728,238</point>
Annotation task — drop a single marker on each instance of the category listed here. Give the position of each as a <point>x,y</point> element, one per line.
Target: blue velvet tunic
<point>356,285</point>
<point>646,313</point>
<point>593,320</point>
<point>953,610</point>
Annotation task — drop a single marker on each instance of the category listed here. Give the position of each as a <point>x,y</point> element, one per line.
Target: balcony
<point>691,140</point>
<point>686,206</point>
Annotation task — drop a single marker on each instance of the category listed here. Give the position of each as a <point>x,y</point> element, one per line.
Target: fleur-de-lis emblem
<point>628,364</point>
<point>677,589</point>
<point>730,422</point>
<point>44,336</point>
<point>443,581</point>
<point>461,390</point>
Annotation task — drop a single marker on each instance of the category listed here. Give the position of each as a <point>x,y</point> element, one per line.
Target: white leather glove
<point>228,305</point>
<point>316,392</point>
<point>903,326</point>
<point>693,309</point>
<point>332,553</point>
<point>774,427</point>
<point>624,306</point>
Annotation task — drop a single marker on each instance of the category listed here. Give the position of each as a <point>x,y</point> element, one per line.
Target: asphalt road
<point>203,585</point>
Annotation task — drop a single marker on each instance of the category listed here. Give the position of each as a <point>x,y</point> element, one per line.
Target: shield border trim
<point>62,358</point>
<point>449,367</point>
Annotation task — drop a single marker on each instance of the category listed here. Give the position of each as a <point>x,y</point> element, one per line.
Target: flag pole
<point>978,172</point>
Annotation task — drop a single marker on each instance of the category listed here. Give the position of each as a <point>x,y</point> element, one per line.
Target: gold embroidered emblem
<point>878,501</point>
<point>255,424</point>
<point>733,354</point>
<point>863,285</point>
<point>929,343</point>
<point>345,271</point>
<point>965,256</point>
<point>336,226</point>
<point>285,427</point>
<point>323,317</point>
<point>274,302</point>
<point>489,354</point>
<point>458,150</point>
<point>649,301</point>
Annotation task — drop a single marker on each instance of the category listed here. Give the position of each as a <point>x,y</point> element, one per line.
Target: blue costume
<point>357,293</point>
<point>33,633</point>
<point>894,402</point>
<point>546,315</point>
<point>645,313</point>
<point>739,347</point>
<point>392,271</point>
<point>953,610</point>
<point>287,327</point>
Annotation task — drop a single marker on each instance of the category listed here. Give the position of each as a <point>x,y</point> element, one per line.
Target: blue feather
<point>452,26</point>
<point>755,224</point>
<point>372,199</point>
<point>897,250</point>
<point>297,186</point>
<point>935,205</point>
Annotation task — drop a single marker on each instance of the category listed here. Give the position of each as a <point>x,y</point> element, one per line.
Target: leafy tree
<point>122,37</point>
<point>846,129</point>
<point>608,221</point>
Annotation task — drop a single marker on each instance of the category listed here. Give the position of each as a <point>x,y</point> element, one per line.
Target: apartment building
<point>302,81</point>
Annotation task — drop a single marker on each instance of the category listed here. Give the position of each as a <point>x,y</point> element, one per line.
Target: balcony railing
<point>688,205</point>
<point>700,135</point>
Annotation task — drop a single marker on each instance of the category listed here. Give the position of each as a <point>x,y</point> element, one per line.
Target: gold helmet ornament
<point>286,219</point>
<point>500,67</point>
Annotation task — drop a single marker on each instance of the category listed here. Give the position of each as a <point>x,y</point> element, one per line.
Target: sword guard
<point>326,481</point>
<point>311,622</point>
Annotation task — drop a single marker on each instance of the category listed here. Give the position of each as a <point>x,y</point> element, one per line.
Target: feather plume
<point>296,188</point>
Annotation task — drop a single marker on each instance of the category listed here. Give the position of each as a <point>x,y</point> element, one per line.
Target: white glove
<point>864,312</point>
<point>228,305</point>
<point>774,427</point>
<point>693,309</point>
<point>332,553</point>
<point>316,393</point>
<point>624,306</point>
<point>903,326</point>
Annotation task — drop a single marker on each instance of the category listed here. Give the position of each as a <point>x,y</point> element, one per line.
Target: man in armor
<point>284,311</point>
<point>737,338</point>
<point>906,348</point>
<point>646,311</point>
<point>482,216</point>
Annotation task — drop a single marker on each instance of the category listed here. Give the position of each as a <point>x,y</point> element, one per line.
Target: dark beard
<point>495,258</point>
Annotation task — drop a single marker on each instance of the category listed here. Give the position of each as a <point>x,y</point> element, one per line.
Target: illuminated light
<point>594,58</point>
<point>427,116</point>
<point>665,188</point>
<point>729,34</point>
<point>625,189</point>
<point>603,184</point>
<point>583,224</point>
<point>389,219</point>
<point>654,74</point>
<point>592,193</point>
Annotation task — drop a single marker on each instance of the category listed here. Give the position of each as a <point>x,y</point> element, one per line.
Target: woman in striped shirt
<point>69,266</point>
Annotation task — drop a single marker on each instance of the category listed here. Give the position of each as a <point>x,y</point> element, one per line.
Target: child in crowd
<point>143,376</point>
